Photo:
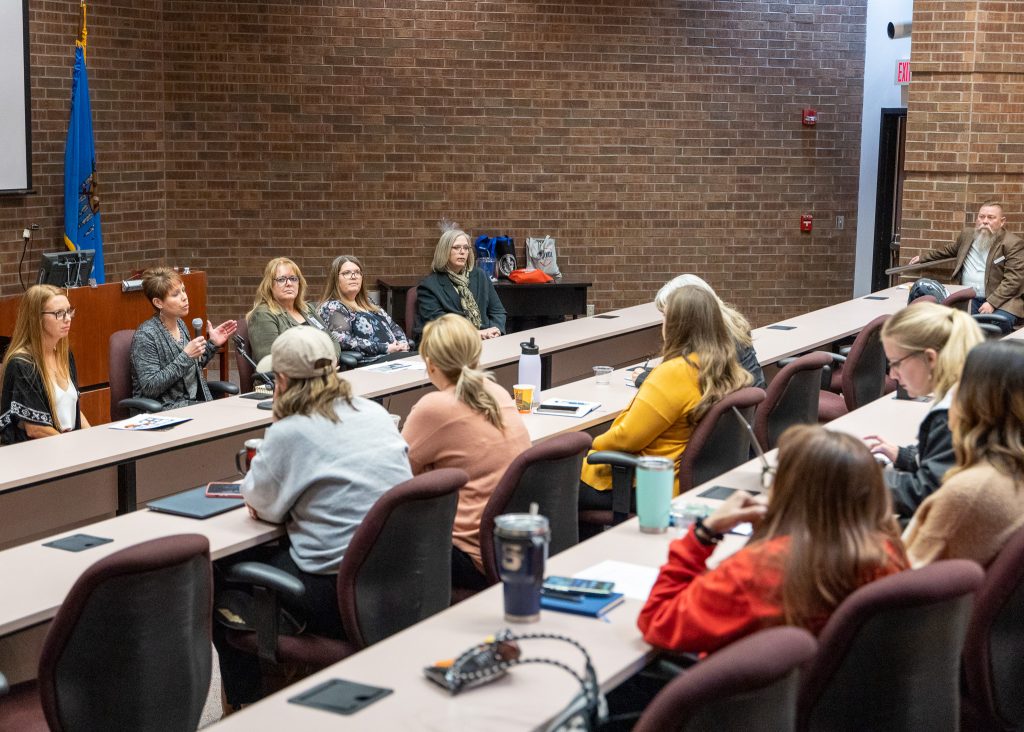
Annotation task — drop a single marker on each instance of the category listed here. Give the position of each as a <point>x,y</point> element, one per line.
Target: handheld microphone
<point>241,347</point>
<point>197,326</point>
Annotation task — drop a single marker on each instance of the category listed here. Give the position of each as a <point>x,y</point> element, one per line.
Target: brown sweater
<point>443,432</point>
<point>971,516</point>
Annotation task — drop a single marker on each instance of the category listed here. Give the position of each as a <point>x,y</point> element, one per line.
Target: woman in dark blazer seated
<point>455,286</point>
<point>167,362</point>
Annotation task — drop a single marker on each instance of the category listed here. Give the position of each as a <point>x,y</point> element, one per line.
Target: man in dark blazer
<point>991,260</point>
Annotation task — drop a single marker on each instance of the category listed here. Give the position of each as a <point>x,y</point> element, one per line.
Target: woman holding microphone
<point>167,365</point>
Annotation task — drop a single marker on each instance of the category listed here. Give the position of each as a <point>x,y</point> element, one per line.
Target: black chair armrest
<point>613,458</point>
<point>784,362</point>
<point>269,586</point>
<point>837,358</point>
<point>4,687</point>
<point>141,404</point>
<point>349,360</point>
<point>623,471</point>
<point>845,350</point>
<point>990,318</point>
<point>264,575</point>
<point>222,388</point>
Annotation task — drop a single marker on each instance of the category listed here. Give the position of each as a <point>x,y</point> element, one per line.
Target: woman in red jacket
<point>826,529</point>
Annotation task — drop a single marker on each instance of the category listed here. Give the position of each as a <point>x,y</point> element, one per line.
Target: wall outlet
<point>840,222</point>
<point>590,310</point>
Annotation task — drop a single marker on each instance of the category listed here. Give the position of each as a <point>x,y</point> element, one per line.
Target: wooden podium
<point>100,312</point>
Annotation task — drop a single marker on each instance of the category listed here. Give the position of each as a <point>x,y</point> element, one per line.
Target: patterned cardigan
<point>161,369</point>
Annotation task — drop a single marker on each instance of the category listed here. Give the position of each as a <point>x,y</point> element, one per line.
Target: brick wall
<point>965,135</point>
<point>650,138</point>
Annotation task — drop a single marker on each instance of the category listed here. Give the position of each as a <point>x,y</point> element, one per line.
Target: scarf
<point>469,306</point>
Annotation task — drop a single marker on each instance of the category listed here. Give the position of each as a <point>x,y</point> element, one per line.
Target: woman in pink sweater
<point>469,423</point>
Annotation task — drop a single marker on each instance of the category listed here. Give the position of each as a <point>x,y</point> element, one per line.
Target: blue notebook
<point>593,606</point>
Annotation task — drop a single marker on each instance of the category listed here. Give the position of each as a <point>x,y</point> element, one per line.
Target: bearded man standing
<point>991,260</point>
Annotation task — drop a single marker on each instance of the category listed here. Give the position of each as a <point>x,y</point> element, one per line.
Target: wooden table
<point>526,305</point>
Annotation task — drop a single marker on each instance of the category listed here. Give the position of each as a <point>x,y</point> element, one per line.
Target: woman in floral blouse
<point>352,320</point>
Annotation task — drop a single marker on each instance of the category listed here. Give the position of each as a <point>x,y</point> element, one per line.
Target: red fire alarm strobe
<point>806,222</point>
<point>810,117</point>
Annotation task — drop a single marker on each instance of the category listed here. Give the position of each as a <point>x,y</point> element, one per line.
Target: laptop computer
<point>194,504</point>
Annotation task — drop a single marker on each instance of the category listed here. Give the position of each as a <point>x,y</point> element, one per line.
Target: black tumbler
<point>521,545</point>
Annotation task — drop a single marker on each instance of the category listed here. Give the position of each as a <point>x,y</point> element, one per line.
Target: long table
<point>529,696</point>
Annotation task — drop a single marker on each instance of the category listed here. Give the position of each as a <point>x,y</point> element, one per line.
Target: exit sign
<point>903,72</point>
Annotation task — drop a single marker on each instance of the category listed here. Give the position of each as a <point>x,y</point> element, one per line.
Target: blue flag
<point>81,195</point>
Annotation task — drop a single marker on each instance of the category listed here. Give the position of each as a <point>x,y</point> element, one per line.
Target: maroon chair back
<point>750,684</point>
<point>961,299</point>
<point>120,372</point>
<point>889,656</point>
<point>410,311</point>
<point>863,377</point>
<point>791,398</point>
<point>719,443</point>
<point>245,371</point>
<point>397,569</point>
<point>992,659</point>
<point>547,474</point>
<point>129,648</point>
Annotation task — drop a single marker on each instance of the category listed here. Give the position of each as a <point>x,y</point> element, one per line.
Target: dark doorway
<point>889,198</point>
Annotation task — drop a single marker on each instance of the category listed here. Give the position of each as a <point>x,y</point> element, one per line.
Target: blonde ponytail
<point>471,390</point>
<point>950,333</point>
<point>453,346</point>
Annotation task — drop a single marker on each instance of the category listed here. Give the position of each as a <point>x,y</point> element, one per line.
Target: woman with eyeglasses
<point>40,383</point>
<point>926,345</point>
<point>280,304</point>
<point>167,361</point>
<point>456,286</point>
<point>352,320</point>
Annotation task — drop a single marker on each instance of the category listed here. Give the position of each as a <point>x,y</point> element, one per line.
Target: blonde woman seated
<point>784,575</point>
<point>40,382</point>
<point>698,369</point>
<point>926,345</point>
<point>280,304</point>
<point>469,423</point>
<point>980,503</point>
<point>738,326</point>
<point>456,286</point>
<point>352,320</point>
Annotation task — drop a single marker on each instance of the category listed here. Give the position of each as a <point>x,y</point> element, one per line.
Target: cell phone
<point>718,492</point>
<point>217,489</point>
<point>578,586</point>
<point>558,407</point>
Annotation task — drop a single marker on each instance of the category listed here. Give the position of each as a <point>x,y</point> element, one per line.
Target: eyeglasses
<point>890,365</point>
<point>289,280</point>
<point>461,248</point>
<point>352,274</point>
<point>61,314</point>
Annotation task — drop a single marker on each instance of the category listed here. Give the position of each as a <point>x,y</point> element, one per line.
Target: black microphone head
<point>197,326</point>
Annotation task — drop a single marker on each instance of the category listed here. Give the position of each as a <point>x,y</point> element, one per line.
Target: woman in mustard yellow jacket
<point>699,367</point>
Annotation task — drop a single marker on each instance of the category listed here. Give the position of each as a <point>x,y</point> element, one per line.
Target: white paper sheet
<point>632,580</point>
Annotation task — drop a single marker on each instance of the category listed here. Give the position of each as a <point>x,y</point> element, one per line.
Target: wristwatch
<point>704,535</point>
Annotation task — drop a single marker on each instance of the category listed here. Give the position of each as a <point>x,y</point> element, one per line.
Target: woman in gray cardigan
<point>280,305</point>
<point>167,365</point>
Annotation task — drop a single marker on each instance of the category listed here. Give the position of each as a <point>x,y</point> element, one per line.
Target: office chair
<point>749,684</point>
<point>129,648</point>
<point>993,665</point>
<point>889,657</point>
<point>862,377</point>
<point>791,398</point>
<point>396,571</point>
